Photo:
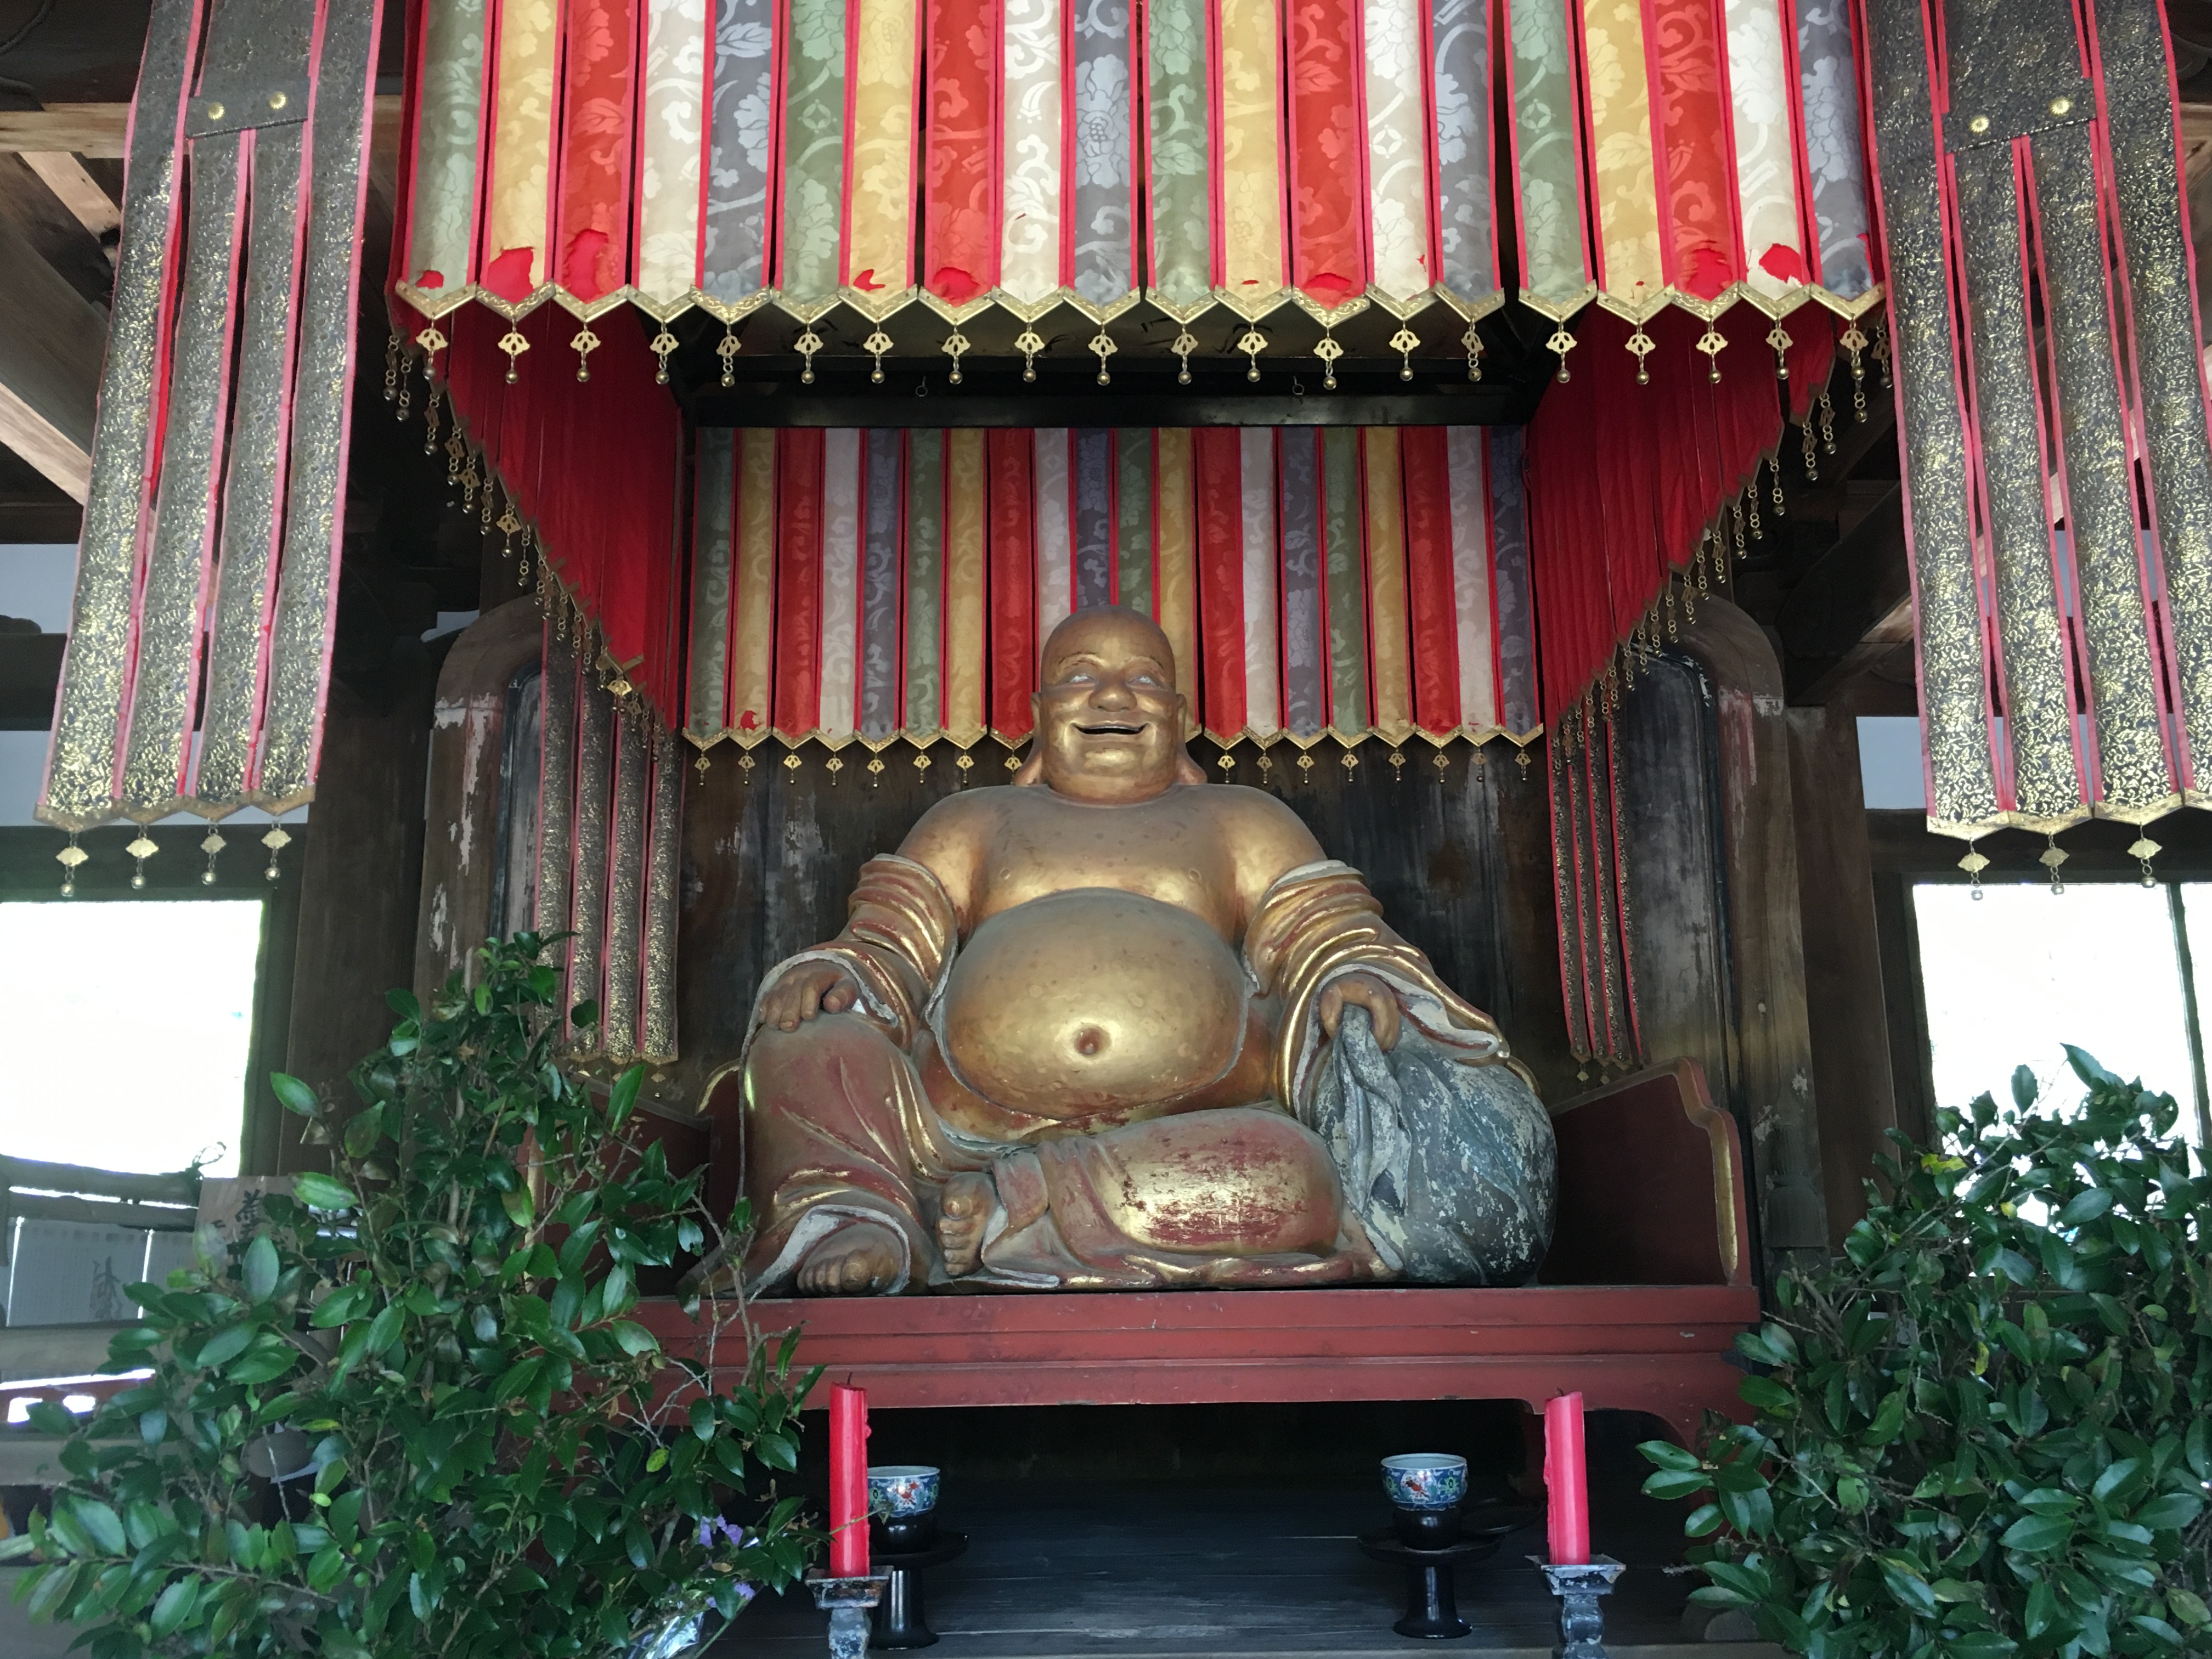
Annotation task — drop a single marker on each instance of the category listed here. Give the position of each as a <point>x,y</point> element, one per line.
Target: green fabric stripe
<point>1346,576</point>
<point>814,150</point>
<point>1133,516</point>
<point>1181,220</point>
<point>925,578</point>
<point>1544,112</point>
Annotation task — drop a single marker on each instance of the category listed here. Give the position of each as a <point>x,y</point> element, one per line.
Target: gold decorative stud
<point>1973,864</point>
<point>2051,858</point>
<point>1403,342</point>
<point>1641,345</point>
<point>1473,341</point>
<point>1329,351</point>
<point>276,841</point>
<point>1397,765</point>
<point>1227,762</point>
<point>875,771</point>
<point>1979,123</point>
<point>513,345</point>
<point>1712,343</point>
<point>1102,348</point>
<point>215,112</point>
<point>2142,852</point>
<point>1029,343</point>
<point>806,345</point>
<point>584,343</point>
<point>1349,760</point>
<point>833,765</point>
<point>277,100</point>
<point>1252,342</point>
<point>955,344</point>
<point>1184,343</point>
<point>920,763</point>
<point>1559,345</point>
<point>746,764</point>
<point>2062,106</point>
<point>1778,338</point>
<point>1442,762</point>
<point>1305,766</point>
<point>791,767</point>
<point>432,342</point>
<point>875,346</point>
<point>661,345</point>
<point>69,857</point>
<point>701,765</point>
<point>211,844</point>
<point>726,349</point>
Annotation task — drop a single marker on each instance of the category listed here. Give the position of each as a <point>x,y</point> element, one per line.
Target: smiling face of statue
<point>1108,717</point>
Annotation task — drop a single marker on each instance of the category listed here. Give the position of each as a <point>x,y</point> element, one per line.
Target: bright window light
<point>131,1022</point>
<point>2011,976</point>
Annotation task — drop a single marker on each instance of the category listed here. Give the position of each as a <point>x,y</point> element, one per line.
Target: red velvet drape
<point>1623,478</point>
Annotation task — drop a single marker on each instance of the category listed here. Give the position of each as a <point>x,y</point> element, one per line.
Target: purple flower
<point>708,1528</point>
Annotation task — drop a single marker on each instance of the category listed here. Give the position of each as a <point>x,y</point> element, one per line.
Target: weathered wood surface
<point>464,854</point>
<point>1772,1075</point>
<point>1844,991</point>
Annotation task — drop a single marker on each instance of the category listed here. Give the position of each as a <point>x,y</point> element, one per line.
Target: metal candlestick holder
<point>848,1602</point>
<point>1582,1621</point>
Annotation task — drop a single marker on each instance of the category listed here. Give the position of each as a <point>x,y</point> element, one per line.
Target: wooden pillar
<point>1849,1024</point>
<point>462,852</point>
<point>359,875</point>
<point>1773,1073</point>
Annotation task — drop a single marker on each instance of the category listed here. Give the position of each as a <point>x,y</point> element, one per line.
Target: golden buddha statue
<point>1112,1026</point>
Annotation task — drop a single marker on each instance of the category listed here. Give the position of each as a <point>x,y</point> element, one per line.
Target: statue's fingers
<point>1330,1008</point>
<point>1385,1009</point>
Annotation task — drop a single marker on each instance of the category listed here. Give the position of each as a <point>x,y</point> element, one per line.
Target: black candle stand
<point>1448,1539</point>
<point>904,1549</point>
<point>1582,1621</point>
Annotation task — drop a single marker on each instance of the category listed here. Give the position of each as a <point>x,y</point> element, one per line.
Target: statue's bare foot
<point>960,1224</point>
<point>859,1259</point>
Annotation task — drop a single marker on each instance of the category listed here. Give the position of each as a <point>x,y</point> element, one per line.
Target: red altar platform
<point>1649,1286</point>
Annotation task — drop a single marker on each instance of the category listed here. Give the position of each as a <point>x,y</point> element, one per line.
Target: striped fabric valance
<point>1332,154</point>
<point>893,583</point>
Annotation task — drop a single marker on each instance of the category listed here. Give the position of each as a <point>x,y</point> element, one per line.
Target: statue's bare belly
<point>1092,1001</point>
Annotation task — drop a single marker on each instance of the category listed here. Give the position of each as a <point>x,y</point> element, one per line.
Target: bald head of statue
<point>1109,719</point>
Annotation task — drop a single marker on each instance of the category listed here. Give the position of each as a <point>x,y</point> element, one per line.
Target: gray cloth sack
<point>1450,1167</point>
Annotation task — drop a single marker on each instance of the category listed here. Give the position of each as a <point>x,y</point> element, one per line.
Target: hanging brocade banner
<point>2058,479</point>
<point>886,584</point>
<point>1680,154</point>
<point>200,637</point>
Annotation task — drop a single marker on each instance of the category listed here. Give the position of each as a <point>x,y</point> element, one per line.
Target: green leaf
<point>517,1205</point>
<point>2037,1534</point>
<point>174,1606</point>
<point>2085,1206</point>
<point>101,1524</point>
<point>1888,1421</point>
<point>293,1094</point>
<point>1767,1394</point>
<point>2185,1606</point>
<point>1900,1576</point>
<point>223,1347</point>
<point>586,1013</point>
<point>2169,1512</point>
<point>2042,1608</point>
<point>633,1339</point>
<point>260,1268</point>
<point>1703,1521</point>
<point>384,1329</point>
<point>319,1192</point>
<point>623,1096</point>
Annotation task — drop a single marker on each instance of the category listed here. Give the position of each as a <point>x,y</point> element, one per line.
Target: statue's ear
<point>1032,770</point>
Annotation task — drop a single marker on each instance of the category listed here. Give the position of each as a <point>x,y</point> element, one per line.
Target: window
<point>2012,976</point>
<point>130,1023</point>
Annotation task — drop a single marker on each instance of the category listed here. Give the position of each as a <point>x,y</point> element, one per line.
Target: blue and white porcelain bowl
<point>899,1492</point>
<point>1425,1481</point>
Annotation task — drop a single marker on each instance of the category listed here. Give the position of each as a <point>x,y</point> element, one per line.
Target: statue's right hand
<point>817,988</point>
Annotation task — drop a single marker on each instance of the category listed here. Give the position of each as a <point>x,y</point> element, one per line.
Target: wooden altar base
<point>1086,1571</point>
<point>1638,1347</point>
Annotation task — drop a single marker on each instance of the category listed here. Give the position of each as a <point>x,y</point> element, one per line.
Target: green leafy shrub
<point>478,1454</point>
<point>1983,1431</point>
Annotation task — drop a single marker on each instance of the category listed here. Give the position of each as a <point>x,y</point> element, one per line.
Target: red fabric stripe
<point>1429,604</point>
<point>960,238</point>
<point>1010,463</point>
<point>1327,149</point>
<point>591,237</point>
<point>1695,136</point>
<point>1218,487</point>
<point>798,507</point>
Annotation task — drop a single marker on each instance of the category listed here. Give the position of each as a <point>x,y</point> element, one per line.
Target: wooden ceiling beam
<point>76,190</point>
<point>75,129</point>
<point>51,343</point>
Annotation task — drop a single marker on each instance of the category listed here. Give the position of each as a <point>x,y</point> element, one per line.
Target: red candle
<point>848,1482</point>
<point>1566,1482</point>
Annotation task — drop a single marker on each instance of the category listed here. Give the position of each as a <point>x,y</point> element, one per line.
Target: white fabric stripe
<point>1397,148</point>
<point>1263,679</point>
<point>843,452</point>
<point>1029,255</point>
<point>1055,586</point>
<point>1765,159</point>
<point>1472,608</point>
<point>668,136</point>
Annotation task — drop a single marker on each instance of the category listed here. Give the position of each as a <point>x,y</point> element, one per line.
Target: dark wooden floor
<point>1171,1571</point>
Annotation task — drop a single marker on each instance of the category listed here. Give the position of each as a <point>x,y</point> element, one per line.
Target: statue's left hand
<point>1362,991</point>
